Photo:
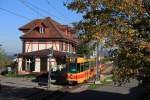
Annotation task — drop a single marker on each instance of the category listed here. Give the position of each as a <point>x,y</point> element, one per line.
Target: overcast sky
<point>15,13</point>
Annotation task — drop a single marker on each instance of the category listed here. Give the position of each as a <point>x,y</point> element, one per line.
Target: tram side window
<point>81,67</point>
<point>72,68</point>
<point>86,65</point>
<point>93,63</point>
<point>90,64</point>
<point>78,67</point>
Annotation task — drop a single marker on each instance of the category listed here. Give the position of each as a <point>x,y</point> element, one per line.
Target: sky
<point>16,13</point>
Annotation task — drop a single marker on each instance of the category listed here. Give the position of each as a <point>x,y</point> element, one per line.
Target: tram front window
<point>72,68</point>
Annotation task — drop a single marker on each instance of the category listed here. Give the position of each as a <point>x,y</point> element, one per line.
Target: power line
<point>37,12</point>
<point>16,14</point>
<point>60,13</point>
<point>43,10</point>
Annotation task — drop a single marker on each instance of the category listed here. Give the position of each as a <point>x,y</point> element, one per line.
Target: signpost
<point>50,55</point>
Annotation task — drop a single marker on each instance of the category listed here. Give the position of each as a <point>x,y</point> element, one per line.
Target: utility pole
<point>97,61</point>
<point>50,55</point>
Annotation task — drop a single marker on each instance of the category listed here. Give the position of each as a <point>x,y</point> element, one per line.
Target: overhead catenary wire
<point>59,12</point>
<point>31,8</point>
<point>44,11</point>
<point>13,13</point>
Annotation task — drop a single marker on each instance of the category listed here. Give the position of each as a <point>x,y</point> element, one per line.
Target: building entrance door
<point>43,64</point>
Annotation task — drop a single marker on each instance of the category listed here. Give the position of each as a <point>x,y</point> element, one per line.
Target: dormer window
<point>41,30</point>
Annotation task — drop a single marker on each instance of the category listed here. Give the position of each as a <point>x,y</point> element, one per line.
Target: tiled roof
<point>53,30</point>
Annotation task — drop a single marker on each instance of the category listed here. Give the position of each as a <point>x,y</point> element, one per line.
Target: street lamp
<point>50,55</point>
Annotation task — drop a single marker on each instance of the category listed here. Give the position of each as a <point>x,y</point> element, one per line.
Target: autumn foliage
<point>125,25</point>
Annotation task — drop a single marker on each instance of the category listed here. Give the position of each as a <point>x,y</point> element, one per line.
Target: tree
<point>83,50</point>
<point>4,60</point>
<point>125,25</point>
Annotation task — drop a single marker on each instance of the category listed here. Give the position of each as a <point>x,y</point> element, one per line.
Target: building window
<point>41,29</point>
<point>30,64</point>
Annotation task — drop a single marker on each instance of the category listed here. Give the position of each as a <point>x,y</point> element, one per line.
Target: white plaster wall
<point>41,46</point>
<point>71,48</point>
<point>19,64</point>
<point>28,47</point>
<point>32,46</point>
<point>35,47</point>
<point>64,47</point>
<point>49,45</point>
<point>37,65</point>
<point>68,47</point>
<point>56,46</point>
<point>60,46</point>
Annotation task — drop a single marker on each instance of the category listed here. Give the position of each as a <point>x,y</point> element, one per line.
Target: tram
<point>80,69</point>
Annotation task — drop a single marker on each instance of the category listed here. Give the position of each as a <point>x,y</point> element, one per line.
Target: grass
<point>106,81</point>
<point>93,86</point>
<point>11,74</point>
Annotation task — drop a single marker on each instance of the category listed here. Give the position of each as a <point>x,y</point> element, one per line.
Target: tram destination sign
<point>71,60</point>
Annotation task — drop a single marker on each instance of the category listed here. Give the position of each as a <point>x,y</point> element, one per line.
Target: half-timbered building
<point>37,37</point>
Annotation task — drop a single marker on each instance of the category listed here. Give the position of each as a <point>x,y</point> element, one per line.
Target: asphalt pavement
<point>130,91</point>
<point>14,88</point>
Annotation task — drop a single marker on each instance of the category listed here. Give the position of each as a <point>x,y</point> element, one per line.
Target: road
<point>14,88</point>
<point>129,91</point>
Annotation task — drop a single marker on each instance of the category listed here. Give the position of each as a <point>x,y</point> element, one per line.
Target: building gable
<point>51,30</point>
